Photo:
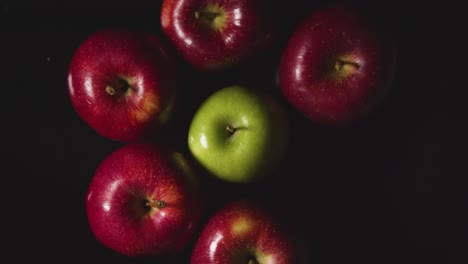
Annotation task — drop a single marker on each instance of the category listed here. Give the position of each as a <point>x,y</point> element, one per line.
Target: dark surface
<point>387,190</point>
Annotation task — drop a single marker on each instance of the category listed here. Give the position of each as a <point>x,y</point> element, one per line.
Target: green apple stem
<point>159,204</point>
<point>231,129</point>
<point>341,64</point>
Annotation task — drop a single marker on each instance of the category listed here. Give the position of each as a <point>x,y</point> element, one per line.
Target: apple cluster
<point>145,198</point>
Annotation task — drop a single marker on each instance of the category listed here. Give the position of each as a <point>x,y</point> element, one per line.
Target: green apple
<point>239,134</point>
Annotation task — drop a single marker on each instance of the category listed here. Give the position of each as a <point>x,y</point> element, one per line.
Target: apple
<point>144,200</point>
<point>338,65</point>
<point>245,232</point>
<point>217,34</point>
<point>239,134</point>
<point>123,84</point>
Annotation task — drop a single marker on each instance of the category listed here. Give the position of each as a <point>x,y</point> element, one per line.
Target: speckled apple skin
<point>136,56</point>
<point>121,185</point>
<point>243,229</point>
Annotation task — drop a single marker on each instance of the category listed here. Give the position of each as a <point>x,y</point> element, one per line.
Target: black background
<point>386,190</point>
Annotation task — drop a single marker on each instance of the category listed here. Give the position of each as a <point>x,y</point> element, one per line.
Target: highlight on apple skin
<point>144,200</point>
<point>217,35</point>
<point>123,84</point>
<point>338,65</point>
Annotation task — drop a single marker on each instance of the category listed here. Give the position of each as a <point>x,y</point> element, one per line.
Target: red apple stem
<point>340,64</point>
<point>156,204</point>
<point>118,85</point>
<point>253,261</point>
<point>110,90</point>
<point>206,15</point>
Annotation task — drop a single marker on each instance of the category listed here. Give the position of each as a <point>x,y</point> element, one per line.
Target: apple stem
<point>118,85</point>
<point>156,204</point>
<point>253,261</point>
<point>206,16</point>
<point>230,129</point>
<point>110,90</point>
<point>340,64</point>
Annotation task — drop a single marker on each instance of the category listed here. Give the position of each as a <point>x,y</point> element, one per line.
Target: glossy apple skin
<point>241,230</point>
<point>337,31</point>
<point>138,58</point>
<point>247,30</point>
<point>257,146</point>
<point>128,178</point>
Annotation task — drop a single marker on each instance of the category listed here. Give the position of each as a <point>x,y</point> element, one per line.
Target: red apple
<point>217,34</point>
<point>144,200</point>
<point>338,65</point>
<point>123,83</point>
<point>245,232</point>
